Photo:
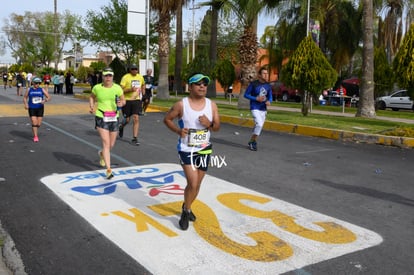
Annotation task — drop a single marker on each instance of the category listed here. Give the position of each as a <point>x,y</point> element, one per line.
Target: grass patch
<point>352,124</point>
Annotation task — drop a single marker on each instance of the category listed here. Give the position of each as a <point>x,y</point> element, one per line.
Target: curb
<point>10,260</point>
<point>346,136</point>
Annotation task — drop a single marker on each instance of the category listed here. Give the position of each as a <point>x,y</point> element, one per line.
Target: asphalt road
<point>369,186</point>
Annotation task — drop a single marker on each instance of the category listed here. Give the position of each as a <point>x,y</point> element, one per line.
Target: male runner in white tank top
<point>197,116</point>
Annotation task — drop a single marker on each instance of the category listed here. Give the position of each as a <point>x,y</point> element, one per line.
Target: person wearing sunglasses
<point>34,100</point>
<point>109,97</point>
<point>259,92</point>
<point>197,116</point>
<point>133,85</point>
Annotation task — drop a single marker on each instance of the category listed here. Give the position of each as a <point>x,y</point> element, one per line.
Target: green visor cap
<point>197,78</point>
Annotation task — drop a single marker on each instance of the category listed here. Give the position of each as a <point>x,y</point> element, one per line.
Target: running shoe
<point>135,141</point>
<point>109,174</point>
<point>191,215</point>
<point>35,139</point>
<point>184,220</point>
<point>121,131</point>
<point>253,145</point>
<point>101,159</point>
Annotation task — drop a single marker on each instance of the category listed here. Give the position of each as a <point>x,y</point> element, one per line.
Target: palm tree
<point>270,42</point>
<point>248,11</point>
<point>179,47</point>
<point>217,7</point>
<point>338,20</point>
<point>366,107</point>
<point>165,9</point>
<point>391,28</point>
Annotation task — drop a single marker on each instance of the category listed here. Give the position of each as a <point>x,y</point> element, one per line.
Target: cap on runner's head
<point>108,71</point>
<point>133,67</point>
<point>197,78</point>
<point>37,80</point>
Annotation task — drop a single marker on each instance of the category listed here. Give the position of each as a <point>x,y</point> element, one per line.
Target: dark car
<point>283,93</point>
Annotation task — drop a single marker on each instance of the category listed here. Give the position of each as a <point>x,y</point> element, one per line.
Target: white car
<point>397,100</point>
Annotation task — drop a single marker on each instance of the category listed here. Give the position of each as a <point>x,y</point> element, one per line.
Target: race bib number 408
<point>198,138</point>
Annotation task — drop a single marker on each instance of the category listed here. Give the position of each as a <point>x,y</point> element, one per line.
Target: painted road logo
<point>237,231</point>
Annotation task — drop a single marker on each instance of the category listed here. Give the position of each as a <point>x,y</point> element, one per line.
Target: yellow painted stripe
<point>17,110</point>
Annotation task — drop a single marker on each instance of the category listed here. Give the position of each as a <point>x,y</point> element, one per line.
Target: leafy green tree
<point>30,37</point>
<point>224,73</point>
<point>107,28</point>
<point>308,70</point>
<point>404,63</point>
<point>200,63</point>
<point>338,22</point>
<point>119,69</point>
<point>229,31</point>
<point>82,73</point>
<point>383,74</point>
<point>98,66</point>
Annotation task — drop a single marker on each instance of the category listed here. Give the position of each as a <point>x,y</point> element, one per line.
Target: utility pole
<point>56,32</point>
<point>193,9</point>
<point>308,19</point>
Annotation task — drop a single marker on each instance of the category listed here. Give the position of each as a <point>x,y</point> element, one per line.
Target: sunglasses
<point>108,75</point>
<point>201,83</point>
<point>36,83</point>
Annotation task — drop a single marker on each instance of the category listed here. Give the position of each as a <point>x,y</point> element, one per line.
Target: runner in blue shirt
<point>34,100</point>
<point>259,92</point>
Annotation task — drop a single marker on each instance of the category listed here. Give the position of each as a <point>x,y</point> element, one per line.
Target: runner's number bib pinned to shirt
<point>197,138</point>
<point>109,116</point>
<point>37,100</point>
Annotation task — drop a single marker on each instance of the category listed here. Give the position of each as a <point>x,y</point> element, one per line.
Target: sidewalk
<point>321,112</point>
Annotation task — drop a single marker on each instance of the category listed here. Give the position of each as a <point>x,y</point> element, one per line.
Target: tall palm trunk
<point>211,90</point>
<point>366,106</point>
<point>178,87</point>
<point>165,9</point>
<point>248,58</point>
<point>163,52</point>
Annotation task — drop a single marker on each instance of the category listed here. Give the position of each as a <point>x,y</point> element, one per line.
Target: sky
<point>80,7</point>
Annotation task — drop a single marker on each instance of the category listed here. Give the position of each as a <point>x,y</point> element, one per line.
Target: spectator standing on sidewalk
<point>133,85</point>
<point>259,92</point>
<point>46,80</point>
<point>5,80</point>
<point>19,83</point>
<point>61,82</point>
<point>197,116</point>
<point>149,82</point>
<point>55,81</point>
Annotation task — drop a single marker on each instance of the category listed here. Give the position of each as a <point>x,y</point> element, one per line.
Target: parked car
<point>281,92</point>
<point>397,100</point>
